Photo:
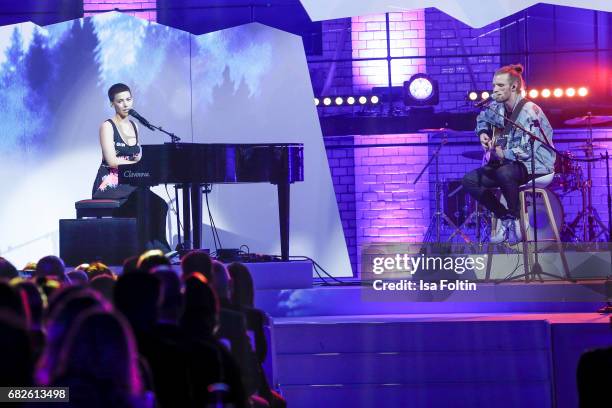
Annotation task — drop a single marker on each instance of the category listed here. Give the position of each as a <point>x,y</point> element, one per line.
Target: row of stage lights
<point>419,90</point>
<point>347,100</point>
<point>473,96</point>
<point>536,93</point>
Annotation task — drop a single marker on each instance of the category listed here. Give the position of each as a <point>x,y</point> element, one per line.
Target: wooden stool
<point>540,183</point>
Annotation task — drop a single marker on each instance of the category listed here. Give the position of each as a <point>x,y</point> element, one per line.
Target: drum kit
<point>573,172</point>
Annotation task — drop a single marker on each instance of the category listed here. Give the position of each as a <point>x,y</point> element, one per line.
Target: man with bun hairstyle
<point>509,164</point>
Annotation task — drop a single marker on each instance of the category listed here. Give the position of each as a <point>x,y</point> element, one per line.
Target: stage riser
<point>414,368</point>
<point>413,337</point>
<point>439,395</point>
<point>416,364</point>
<point>281,275</point>
<point>515,361</point>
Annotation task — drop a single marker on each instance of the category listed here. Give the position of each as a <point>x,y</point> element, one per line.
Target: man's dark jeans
<point>508,177</point>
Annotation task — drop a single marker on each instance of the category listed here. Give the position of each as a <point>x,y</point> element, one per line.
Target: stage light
<point>478,95</point>
<point>340,101</point>
<point>557,93</point>
<point>421,90</point>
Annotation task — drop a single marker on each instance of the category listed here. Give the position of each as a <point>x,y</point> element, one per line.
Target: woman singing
<point>119,143</point>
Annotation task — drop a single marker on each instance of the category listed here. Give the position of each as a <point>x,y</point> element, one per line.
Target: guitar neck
<point>497,134</point>
<point>490,155</point>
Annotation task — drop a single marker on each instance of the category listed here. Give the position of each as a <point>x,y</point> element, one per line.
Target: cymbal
<point>474,154</point>
<point>584,120</point>
<point>437,130</point>
<point>585,146</point>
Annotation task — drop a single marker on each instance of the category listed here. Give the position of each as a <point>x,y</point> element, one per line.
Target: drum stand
<point>476,215</point>
<point>438,214</point>
<point>588,214</point>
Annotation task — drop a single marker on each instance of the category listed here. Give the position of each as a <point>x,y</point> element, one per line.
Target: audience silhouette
<point>154,336</point>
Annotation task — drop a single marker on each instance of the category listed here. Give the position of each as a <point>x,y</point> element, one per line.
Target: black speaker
<point>108,240</point>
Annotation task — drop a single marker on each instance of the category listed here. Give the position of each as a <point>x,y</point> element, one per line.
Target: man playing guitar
<point>507,163</point>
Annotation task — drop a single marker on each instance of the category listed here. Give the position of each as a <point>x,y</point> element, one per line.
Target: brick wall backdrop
<point>388,206</point>
<point>90,7</point>
<point>425,32</point>
<point>446,37</point>
<point>369,40</point>
<point>365,37</point>
<point>333,78</point>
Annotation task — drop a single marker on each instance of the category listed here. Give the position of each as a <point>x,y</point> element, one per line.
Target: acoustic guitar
<point>499,139</point>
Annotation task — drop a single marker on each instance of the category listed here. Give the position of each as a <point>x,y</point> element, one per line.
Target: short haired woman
<point>119,143</point>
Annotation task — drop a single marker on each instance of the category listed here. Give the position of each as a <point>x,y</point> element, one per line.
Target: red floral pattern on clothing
<point>111,180</point>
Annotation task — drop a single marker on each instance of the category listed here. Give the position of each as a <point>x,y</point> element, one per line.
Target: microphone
<point>142,120</point>
<point>483,102</point>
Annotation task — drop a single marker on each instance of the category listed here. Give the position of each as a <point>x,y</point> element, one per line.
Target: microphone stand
<point>173,138</point>
<point>185,244</point>
<point>439,214</point>
<point>536,268</point>
<point>182,245</point>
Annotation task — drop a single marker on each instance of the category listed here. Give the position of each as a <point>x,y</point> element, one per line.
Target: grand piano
<point>191,165</point>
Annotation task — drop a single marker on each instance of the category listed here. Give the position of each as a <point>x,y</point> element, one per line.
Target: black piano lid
<point>216,163</point>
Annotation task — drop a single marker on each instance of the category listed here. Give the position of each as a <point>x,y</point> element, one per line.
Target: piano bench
<point>97,208</point>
